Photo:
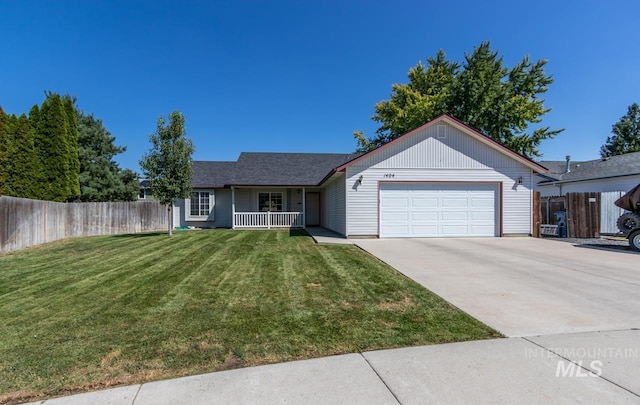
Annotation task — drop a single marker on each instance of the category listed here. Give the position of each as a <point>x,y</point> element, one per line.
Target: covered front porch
<point>275,207</point>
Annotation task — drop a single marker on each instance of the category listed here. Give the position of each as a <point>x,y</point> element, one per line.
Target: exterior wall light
<point>360,179</point>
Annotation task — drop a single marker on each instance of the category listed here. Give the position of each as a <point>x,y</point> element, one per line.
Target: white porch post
<point>304,208</point>
<point>233,208</point>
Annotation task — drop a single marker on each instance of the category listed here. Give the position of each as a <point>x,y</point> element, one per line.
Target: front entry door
<point>312,208</point>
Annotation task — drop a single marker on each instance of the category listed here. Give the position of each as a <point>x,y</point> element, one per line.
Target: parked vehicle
<point>629,222</point>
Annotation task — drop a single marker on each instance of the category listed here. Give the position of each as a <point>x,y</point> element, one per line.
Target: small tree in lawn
<point>168,164</point>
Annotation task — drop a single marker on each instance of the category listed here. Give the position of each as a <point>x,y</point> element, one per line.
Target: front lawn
<point>96,312</point>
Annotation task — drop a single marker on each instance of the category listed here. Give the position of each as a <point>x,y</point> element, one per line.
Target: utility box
<point>561,222</point>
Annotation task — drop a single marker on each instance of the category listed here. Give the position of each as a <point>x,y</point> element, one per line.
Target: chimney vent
<point>568,167</point>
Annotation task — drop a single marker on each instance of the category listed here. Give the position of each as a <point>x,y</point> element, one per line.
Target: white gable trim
<point>464,129</point>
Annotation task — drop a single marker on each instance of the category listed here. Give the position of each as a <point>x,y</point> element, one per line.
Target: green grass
<point>95,312</point>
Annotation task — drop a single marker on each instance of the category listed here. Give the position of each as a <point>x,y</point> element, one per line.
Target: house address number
<point>389,175</point>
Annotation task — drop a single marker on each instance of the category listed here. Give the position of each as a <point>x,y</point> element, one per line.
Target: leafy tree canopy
<point>168,163</point>
<point>626,134</point>
<point>100,178</point>
<point>481,92</point>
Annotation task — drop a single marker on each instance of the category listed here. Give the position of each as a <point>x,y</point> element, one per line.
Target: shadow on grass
<point>141,235</point>
<point>298,232</point>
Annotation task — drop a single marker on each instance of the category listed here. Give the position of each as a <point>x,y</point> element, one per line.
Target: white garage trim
<point>439,209</point>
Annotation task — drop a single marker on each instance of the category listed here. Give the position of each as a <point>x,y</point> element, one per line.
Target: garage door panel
<point>395,216</point>
<point>483,202</point>
<point>424,216</point>
<point>396,202</point>
<point>432,210</point>
<point>483,216</point>
<point>449,202</point>
<point>422,202</point>
<point>455,215</point>
<point>482,230</point>
<point>455,230</point>
<point>426,230</point>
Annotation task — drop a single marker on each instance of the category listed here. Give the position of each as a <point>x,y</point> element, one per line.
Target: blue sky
<point>301,76</point>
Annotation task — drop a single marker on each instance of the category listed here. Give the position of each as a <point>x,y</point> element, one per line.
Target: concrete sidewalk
<point>324,236</point>
<point>593,367</point>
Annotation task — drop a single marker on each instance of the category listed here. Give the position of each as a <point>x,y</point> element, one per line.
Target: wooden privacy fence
<point>588,215</point>
<point>25,222</point>
<point>583,215</point>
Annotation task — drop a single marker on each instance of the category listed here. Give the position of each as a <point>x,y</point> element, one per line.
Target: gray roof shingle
<point>268,169</point>
<point>211,174</point>
<point>621,165</point>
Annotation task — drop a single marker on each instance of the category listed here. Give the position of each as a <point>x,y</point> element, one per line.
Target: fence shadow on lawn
<point>140,235</point>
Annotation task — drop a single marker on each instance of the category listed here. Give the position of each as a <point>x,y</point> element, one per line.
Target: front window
<point>269,202</point>
<point>199,204</point>
<point>141,194</point>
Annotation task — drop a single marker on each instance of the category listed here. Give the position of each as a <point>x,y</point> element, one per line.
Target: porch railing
<point>268,220</point>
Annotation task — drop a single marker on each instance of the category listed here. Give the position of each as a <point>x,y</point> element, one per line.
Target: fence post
<point>537,215</point>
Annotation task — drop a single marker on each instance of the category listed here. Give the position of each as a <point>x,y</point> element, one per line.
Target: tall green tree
<point>71,116</point>
<point>481,92</point>
<point>168,163</point>
<point>428,95</point>
<point>24,165</point>
<point>626,134</point>
<point>52,142</point>
<point>101,179</point>
<point>38,168</point>
<point>4,153</point>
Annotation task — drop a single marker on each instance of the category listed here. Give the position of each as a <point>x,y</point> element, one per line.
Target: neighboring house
<point>616,173</point>
<point>442,179</point>
<point>145,191</point>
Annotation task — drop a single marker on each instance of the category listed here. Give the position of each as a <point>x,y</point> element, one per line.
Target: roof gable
<point>394,146</point>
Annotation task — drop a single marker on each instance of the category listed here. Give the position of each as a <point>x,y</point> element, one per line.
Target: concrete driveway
<point>523,286</point>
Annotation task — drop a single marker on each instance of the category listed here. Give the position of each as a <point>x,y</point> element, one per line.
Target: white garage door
<point>438,210</point>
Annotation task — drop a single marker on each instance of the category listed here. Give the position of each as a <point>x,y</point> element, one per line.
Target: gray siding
<point>334,205</point>
<point>223,209</point>
<point>328,218</point>
<point>247,199</point>
<point>221,212</point>
<point>609,212</point>
<point>341,206</point>
<point>624,183</point>
<point>425,157</point>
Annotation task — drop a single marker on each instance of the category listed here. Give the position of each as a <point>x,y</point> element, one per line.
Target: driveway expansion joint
<point>381,379</point>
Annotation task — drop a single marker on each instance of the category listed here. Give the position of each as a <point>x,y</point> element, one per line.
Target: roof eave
<point>544,183</point>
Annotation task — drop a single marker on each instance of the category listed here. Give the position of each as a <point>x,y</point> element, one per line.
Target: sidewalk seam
<point>381,379</point>
<point>133,401</point>
<point>582,367</point>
